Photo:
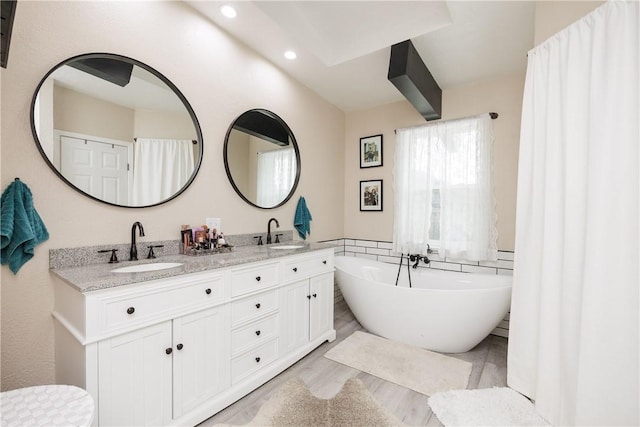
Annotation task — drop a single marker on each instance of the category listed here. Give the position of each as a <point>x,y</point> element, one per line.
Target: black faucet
<point>133,253</point>
<point>417,258</point>
<point>269,229</point>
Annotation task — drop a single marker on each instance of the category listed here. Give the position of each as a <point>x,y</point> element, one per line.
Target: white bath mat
<point>498,406</point>
<point>420,370</point>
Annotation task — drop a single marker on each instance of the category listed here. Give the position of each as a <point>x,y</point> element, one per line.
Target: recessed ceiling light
<point>290,54</point>
<point>228,11</point>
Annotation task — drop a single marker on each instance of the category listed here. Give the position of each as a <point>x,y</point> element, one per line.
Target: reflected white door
<point>97,168</point>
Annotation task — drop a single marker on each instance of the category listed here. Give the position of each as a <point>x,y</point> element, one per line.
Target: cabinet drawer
<point>251,279</point>
<point>301,268</point>
<point>254,306</point>
<point>254,333</point>
<point>123,311</point>
<point>249,362</point>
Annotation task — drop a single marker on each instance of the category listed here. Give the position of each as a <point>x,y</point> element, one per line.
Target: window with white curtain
<point>276,173</point>
<point>443,184</point>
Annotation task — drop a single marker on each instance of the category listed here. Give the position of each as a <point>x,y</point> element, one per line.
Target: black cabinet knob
<point>308,296</point>
<point>258,278</point>
<point>295,269</point>
<point>168,350</point>
<point>315,295</point>
<point>324,261</point>
<point>208,291</point>
<point>258,305</point>
<point>131,310</point>
<point>258,333</point>
<point>257,360</point>
<point>179,346</point>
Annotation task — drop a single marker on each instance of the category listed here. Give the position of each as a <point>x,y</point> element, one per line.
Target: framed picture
<point>371,195</point>
<point>371,151</point>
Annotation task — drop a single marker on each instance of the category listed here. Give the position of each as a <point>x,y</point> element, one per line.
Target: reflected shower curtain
<point>161,167</point>
<point>276,173</point>
<point>573,342</point>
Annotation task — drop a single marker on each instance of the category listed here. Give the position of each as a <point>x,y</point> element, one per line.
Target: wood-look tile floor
<point>325,378</point>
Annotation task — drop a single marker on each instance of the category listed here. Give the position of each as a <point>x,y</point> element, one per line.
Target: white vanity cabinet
<point>134,378</point>
<point>254,319</point>
<point>200,358</point>
<point>151,375</point>
<point>307,301</point>
<point>175,351</point>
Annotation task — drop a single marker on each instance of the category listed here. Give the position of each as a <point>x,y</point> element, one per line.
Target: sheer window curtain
<point>161,167</point>
<point>454,157</point>
<point>573,341</point>
<point>276,173</point>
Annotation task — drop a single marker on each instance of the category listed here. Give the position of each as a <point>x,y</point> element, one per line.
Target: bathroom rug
<point>498,406</point>
<point>294,405</point>
<point>412,367</point>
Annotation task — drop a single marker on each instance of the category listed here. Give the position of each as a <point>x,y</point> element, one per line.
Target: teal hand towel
<point>302,219</point>
<point>21,228</point>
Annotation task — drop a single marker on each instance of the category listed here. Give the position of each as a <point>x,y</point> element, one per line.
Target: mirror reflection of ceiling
<point>144,90</point>
<point>261,158</point>
<point>100,119</point>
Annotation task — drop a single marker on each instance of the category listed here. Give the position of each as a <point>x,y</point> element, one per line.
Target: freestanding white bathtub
<point>444,311</point>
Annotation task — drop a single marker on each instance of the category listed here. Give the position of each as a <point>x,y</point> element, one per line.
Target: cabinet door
<point>134,378</point>
<point>294,316</point>
<point>321,307</point>
<point>201,357</point>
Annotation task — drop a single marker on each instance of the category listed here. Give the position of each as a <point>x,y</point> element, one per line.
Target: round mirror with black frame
<point>116,130</point>
<point>262,159</point>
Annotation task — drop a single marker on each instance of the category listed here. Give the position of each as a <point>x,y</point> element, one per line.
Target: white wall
<point>80,113</point>
<point>503,95</point>
<point>220,77</point>
<point>553,16</point>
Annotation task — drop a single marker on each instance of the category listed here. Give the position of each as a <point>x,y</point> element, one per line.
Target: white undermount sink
<point>154,266</point>
<point>285,247</point>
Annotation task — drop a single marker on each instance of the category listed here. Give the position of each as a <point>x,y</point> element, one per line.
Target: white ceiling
<point>343,47</point>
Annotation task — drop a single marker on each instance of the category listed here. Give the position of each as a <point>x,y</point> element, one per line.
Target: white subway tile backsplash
<point>505,272</point>
<point>385,245</point>
<point>504,324</point>
<point>375,251</point>
<point>501,332</point>
<point>498,264</point>
<point>357,249</point>
<point>389,259</point>
<point>461,261</point>
<point>367,256</point>
<point>445,266</point>
<point>367,243</point>
<point>476,269</point>
<point>505,255</point>
<point>349,242</point>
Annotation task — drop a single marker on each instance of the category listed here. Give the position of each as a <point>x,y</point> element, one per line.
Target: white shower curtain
<point>573,340</point>
<point>161,167</point>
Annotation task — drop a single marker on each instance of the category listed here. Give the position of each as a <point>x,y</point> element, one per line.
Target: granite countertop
<point>99,276</point>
